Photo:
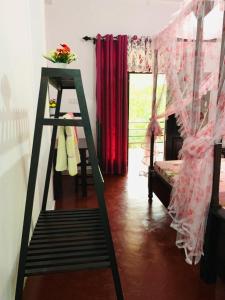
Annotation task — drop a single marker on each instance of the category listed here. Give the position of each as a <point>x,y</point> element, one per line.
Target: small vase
<point>60,65</point>
<point>51,111</point>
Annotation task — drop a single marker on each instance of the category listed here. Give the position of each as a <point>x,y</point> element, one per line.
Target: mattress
<point>169,171</point>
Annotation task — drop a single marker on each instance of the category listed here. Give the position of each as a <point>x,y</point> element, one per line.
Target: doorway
<point>140,109</point>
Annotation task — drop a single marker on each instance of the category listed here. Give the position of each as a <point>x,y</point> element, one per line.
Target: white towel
<point>68,155</point>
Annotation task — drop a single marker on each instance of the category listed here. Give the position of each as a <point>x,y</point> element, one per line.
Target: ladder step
<point>39,257</point>
<point>75,233</point>
<point>64,244</point>
<point>66,218</point>
<point>68,228</point>
<point>69,214</point>
<point>70,248</point>
<point>72,211</point>
<point>62,122</point>
<point>55,224</point>
<point>62,83</point>
<point>65,261</point>
<point>67,240</point>
<point>69,267</point>
<point>70,234</point>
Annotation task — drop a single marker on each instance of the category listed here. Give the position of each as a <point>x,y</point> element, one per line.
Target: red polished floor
<point>150,265</point>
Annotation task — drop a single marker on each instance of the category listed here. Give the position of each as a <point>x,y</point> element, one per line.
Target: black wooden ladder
<point>64,240</point>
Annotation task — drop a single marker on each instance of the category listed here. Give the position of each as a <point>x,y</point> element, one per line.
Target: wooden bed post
<point>218,147</point>
<point>196,104</point>
<point>151,166</point>
<point>209,263</point>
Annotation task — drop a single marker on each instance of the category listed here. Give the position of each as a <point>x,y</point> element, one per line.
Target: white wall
<point>68,21</point>
<point>22,38</point>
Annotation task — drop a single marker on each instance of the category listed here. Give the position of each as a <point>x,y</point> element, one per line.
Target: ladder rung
<point>70,267</point>
<point>62,122</point>
<point>63,254</point>
<point>72,211</point>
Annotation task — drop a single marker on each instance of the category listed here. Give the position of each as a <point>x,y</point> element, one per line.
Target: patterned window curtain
<point>139,54</point>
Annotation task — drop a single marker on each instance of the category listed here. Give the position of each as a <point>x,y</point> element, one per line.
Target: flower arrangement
<point>62,54</point>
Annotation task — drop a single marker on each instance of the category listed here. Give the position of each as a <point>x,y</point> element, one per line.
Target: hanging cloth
<point>68,156</point>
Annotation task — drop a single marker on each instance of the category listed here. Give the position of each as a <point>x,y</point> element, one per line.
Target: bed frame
<point>173,143</point>
<point>213,262</point>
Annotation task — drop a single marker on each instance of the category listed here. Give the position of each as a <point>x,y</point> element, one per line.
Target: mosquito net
<point>190,52</point>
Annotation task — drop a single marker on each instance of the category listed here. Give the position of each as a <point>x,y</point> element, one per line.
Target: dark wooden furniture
<point>80,179</point>
<point>173,143</point>
<point>83,165</point>
<point>213,261</point>
<point>64,240</point>
<point>223,152</point>
<point>160,187</point>
<point>173,140</point>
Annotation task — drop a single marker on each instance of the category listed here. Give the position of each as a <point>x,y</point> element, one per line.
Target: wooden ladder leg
<point>31,187</point>
<point>150,184</point>
<point>208,264</point>
<point>151,169</point>
<point>116,277</point>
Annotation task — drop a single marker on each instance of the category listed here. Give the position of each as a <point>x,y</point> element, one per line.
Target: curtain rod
<point>88,38</point>
<point>93,39</point>
<point>187,40</point>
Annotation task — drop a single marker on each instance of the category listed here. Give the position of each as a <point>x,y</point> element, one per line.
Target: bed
<point>167,172</point>
<point>161,179</point>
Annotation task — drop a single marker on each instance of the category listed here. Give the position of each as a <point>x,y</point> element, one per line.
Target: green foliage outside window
<point>140,102</point>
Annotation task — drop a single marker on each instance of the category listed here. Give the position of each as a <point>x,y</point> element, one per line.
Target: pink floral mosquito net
<point>190,51</point>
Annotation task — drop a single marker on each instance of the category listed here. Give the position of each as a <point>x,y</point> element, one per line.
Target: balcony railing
<point>137,132</point>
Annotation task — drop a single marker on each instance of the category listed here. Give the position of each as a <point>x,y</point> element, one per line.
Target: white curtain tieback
<point>154,127</point>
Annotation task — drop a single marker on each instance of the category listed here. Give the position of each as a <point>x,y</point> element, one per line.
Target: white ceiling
<point>140,17</point>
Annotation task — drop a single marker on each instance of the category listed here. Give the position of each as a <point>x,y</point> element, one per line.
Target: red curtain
<point>112,103</point>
